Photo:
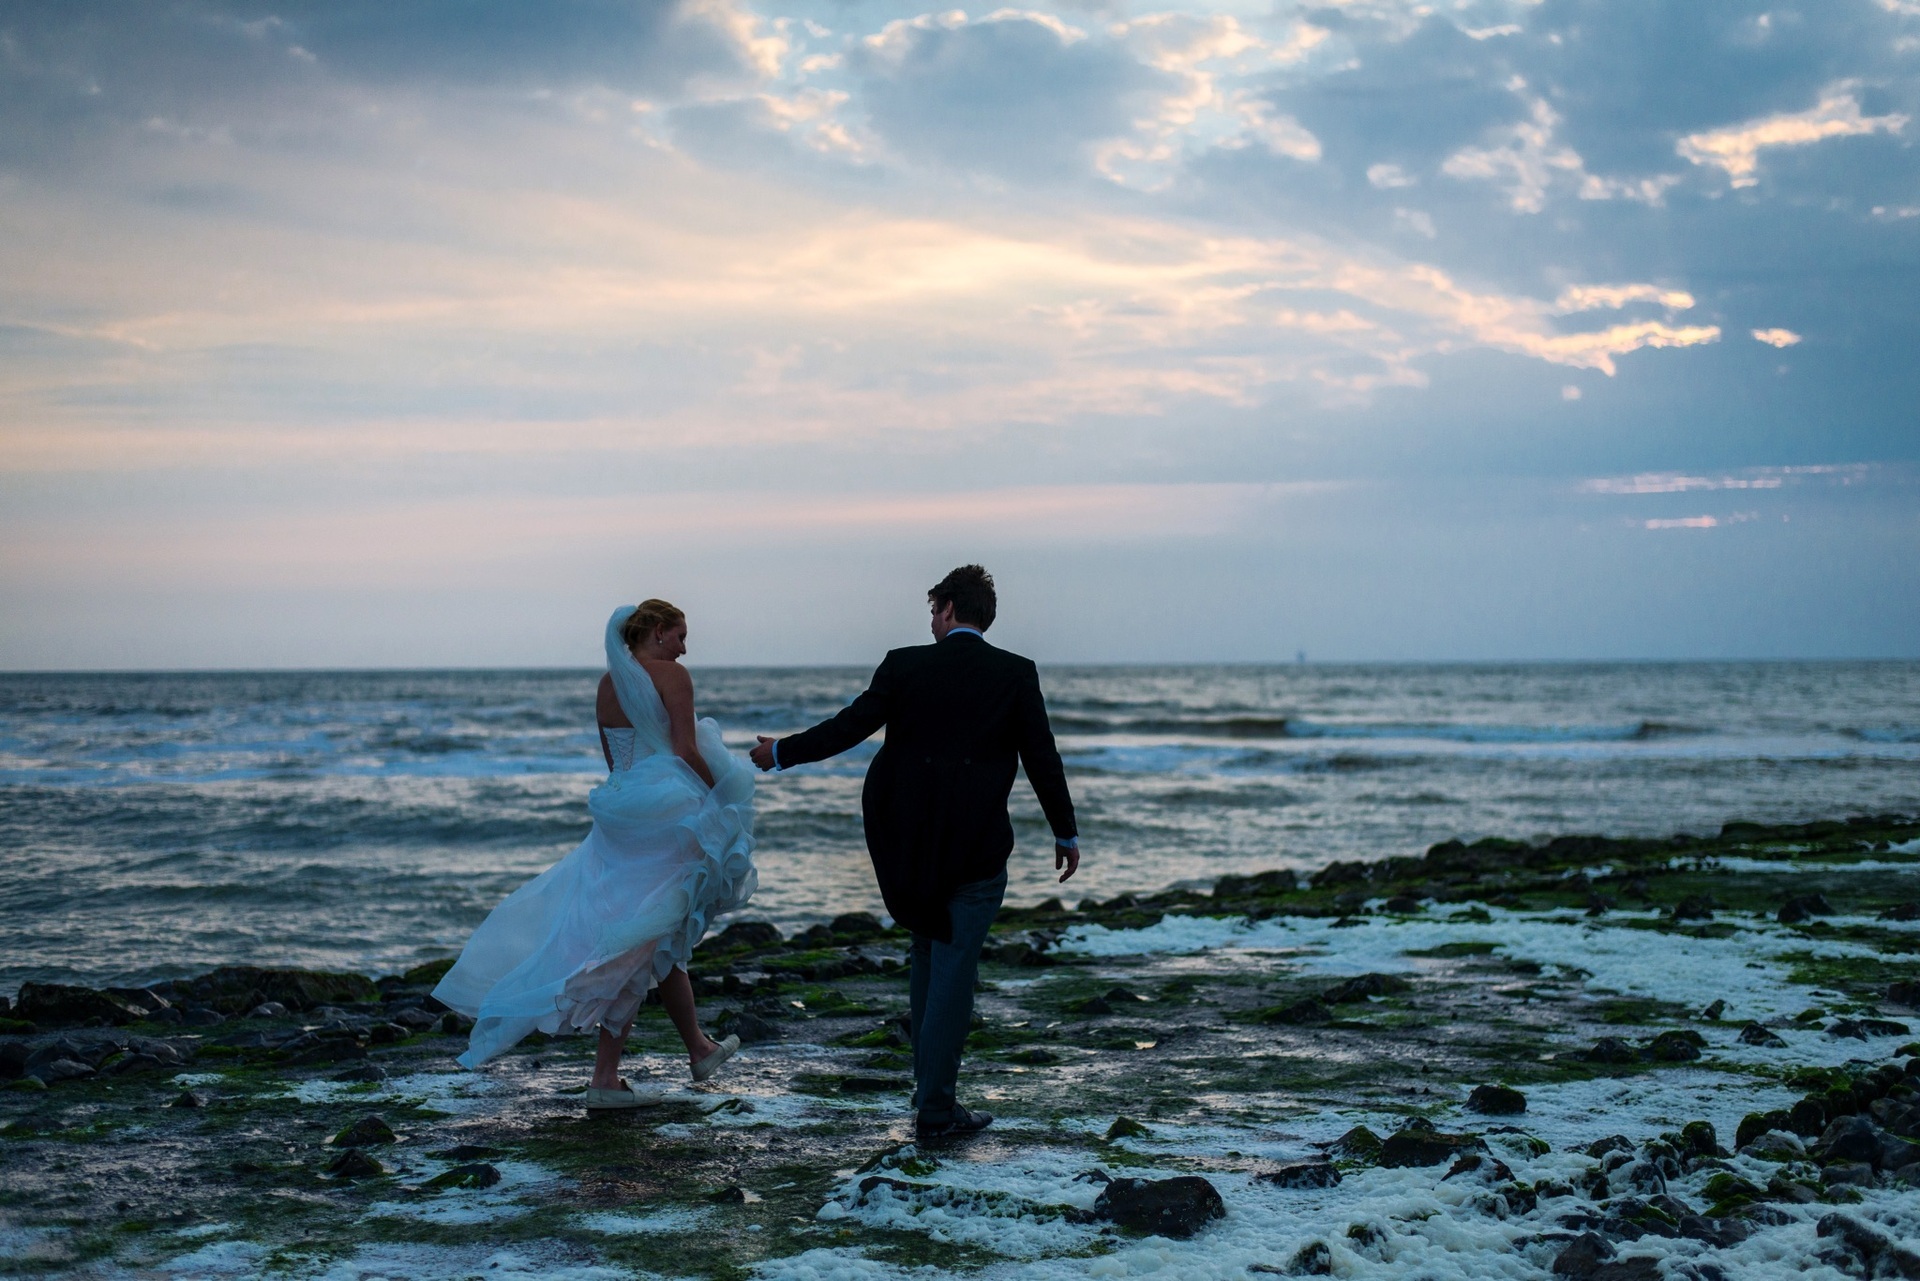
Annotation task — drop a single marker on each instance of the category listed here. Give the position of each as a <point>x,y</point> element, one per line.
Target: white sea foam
<point>660,1221</point>
<point>469,1205</point>
<point>1741,969</point>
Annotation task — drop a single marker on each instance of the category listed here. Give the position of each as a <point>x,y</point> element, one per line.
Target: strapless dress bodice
<point>620,743</point>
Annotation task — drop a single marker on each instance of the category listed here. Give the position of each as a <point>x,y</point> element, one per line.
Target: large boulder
<point>1496,1100</point>
<point>1177,1207</point>
<point>235,989</point>
<point>58,1005</point>
<point>1414,1146</point>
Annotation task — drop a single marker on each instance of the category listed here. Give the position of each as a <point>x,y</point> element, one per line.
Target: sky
<point>347,333</point>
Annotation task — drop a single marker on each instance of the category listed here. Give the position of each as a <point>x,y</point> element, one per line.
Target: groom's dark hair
<point>969,589</point>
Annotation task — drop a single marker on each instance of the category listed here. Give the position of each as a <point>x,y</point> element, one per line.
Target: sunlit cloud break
<point>1776,337</point>
<point>1736,148</point>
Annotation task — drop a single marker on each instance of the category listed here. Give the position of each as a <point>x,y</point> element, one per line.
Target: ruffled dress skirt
<point>580,945</point>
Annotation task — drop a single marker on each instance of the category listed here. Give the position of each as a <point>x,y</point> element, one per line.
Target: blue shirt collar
<point>971,631</point>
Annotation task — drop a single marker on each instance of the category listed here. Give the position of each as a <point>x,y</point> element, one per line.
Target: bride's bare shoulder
<point>668,677</point>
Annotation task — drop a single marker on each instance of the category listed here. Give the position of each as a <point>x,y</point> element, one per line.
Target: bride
<point>581,944</point>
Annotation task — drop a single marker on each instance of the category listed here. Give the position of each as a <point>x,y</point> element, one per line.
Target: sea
<point>155,825</point>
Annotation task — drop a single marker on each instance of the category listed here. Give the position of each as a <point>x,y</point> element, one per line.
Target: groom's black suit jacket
<point>959,714</point>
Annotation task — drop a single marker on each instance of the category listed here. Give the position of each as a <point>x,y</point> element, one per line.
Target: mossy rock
<point>429,974</point>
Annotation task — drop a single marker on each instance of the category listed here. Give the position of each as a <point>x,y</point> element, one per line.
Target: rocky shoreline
<point>1602,1058</point>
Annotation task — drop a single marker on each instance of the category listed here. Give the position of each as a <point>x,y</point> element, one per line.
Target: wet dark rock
<point>1852,1029</point>
<point>268,1010</point>
<point>1583,1255</point>
<point>428,973</point>
<point>1644,1177</point>
<point>733,1193</point>
<point>1300,1013</point>
<point>466,1152</point>
<point>477,1175</point>
<point>1314,1259</point>
<point>1699,1139</point>
<point>1125,1127</point>
<point>1093,1005</point>
<point>188,1099</point>
<point>1694,907</point>
<point>1804,907</point>
<point>1879,1253</point>
<point>1727,1191</point>
<point>1404,905</point>
<point>1775,1145</point>
<point>1363,987</point>
<point>202,1016</point>
<point>1425,1147</point>
<point>751,1028</point>
<point>1847,1174</point>
<point>1176,1207</point>
<point>13,1060</point>
<point>1721,1233</point>
<point>857,926</point>
<point>1676,1047</point>
<point>134,1063</point>
<point>1496,1100</point>
<point>454,1023</point>
<point>59,1005</point>
<point>1807,1118</point>
<point>233,988</point>
<point>1302,1174</point>
<point>55,1071</point>
<point>1714,1011</point>
<point>1120,996</point>
<point>1611,1049</point>
<point>1906,991</point>
<point>1480,1165</point>
<point>1883,1027</point>
<point>355,1164</point>
<point>1357,1144</point>
<point>1909,911</point>
<point>414,1019</point>
<point>368,1131</point>
<point>1262,884</point>
<point>1754,1034</point>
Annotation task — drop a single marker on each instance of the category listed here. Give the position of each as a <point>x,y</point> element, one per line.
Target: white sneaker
<point>619,1099</point>
<point>708,1066</point>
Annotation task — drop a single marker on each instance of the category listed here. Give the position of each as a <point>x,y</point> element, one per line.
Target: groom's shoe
<point>618,1099</point>
<point>957,1124</point>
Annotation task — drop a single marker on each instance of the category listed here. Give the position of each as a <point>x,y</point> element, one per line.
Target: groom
<point>958,714</point>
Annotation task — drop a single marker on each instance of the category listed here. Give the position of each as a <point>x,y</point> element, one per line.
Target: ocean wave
<point>1290,727</point>
<point>1892,734</point>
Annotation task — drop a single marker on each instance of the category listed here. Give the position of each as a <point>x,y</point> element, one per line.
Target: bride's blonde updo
<point>647,619</point>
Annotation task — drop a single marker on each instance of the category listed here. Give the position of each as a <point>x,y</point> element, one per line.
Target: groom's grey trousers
<point>942,994</point>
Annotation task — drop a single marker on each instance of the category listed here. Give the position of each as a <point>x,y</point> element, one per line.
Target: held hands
<point>762,753</point>
<point>1068,857</point>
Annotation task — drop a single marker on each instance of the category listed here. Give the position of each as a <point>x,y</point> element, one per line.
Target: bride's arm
<point>676,692</point>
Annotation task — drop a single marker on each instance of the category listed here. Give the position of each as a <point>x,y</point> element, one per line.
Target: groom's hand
<point>762,753</point>
<point>1067,857</point>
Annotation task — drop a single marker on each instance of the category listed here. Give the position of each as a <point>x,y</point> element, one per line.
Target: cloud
<point>1748,478</point>
<point>1683,522</point>
<point>1776,337</point>
<point>1736,149</point>
<point>1013,93</point>
<point>1529,161</point>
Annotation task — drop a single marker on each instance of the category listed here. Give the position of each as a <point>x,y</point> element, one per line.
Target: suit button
<point>929,760</point>
<point>966,760</point>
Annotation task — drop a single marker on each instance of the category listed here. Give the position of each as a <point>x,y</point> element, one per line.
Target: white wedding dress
<point>581,944</point>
